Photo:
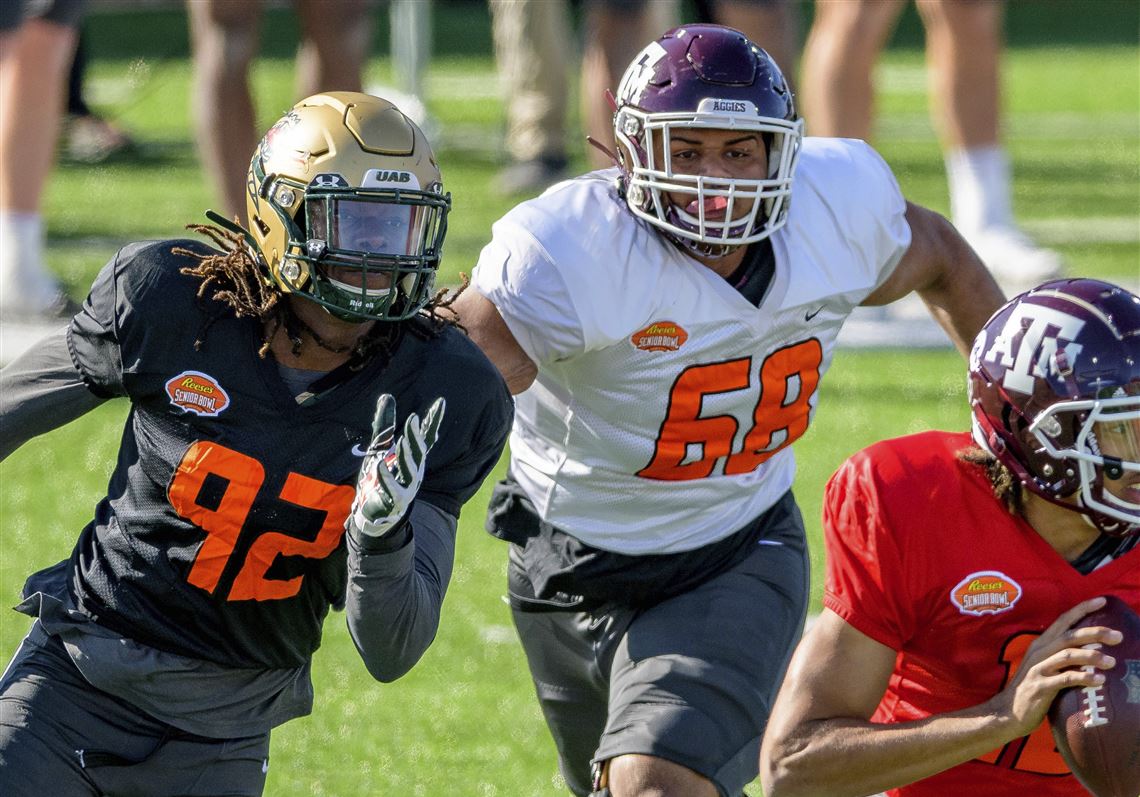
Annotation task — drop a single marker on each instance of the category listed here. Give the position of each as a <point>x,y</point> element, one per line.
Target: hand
<point>1058,659</point>
<point>393,470</point>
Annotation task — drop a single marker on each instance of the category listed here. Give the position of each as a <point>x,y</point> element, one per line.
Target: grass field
<point>464,722</point>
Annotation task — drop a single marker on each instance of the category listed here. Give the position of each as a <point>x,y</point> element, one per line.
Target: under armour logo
<point>1028,343</point>
<point>329,180</point>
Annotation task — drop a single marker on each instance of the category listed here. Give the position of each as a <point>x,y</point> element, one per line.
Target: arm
<point>41,391</point>
<point>819,739</point>
<point>951,279</point>
<point>395,593</point>
<point>485,326</point>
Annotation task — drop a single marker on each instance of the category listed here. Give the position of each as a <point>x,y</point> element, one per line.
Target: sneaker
<point>1016,262</point>
<point>530,177</point>
<point>92,139</point>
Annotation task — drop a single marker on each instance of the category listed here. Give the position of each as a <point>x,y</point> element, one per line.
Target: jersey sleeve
<point>93,337</point>
<point>848,205</point>
<point>127,313</point>
<point>864,583</point>
<point>881,209</point>
<point>39,391</point>
<point>519,277</point>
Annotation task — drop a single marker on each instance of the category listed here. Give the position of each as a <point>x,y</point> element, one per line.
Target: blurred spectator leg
<point>772,24</point>
<point>615,32</point>
<point>963,51</point>
<point>33,67</point>
<point>90,138</point>
<point>532,51</point>
<point>336,36</point>
<point>224,35</point>
<point>839,59</point>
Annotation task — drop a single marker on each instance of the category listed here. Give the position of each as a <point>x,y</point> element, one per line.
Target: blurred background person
<point>335,39</point>
<point>37,42</point>
<point>964,41</point>
<point>533,56</point>
<point>89,137</point>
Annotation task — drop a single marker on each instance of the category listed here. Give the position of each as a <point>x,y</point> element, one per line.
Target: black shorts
<point>691,679</point>
<point>60,736</point>
<point>62,12</point>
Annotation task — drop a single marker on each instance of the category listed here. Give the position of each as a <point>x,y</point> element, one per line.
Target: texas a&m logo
<point>1028,342</point>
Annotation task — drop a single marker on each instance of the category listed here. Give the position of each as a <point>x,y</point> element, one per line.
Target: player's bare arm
<point>487,329</point>
<point>951,279</point>
<point>820,740</point>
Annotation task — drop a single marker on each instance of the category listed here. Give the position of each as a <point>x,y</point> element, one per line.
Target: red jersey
<point>923,559</point>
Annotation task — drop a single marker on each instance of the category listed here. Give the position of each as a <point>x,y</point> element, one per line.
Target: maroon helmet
<point>702,77</point>
<point>1055,393</point>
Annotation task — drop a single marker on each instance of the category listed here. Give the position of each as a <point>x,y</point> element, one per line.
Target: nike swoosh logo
<point>811,315</point>
<point>357,451</point>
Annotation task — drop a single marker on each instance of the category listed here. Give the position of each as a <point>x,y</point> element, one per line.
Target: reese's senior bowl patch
<point>660,336</point>
<point>985,592</point>
<point>197,392</point>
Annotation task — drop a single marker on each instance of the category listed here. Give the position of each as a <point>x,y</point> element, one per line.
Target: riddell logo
<point>198,393</point>
<point>660,336</point>
<point>985,592</point>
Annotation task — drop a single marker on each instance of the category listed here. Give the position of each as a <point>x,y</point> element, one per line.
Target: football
<point>1097,729</point>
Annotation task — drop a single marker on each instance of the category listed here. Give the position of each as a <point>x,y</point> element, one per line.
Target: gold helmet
<point>346,207</point>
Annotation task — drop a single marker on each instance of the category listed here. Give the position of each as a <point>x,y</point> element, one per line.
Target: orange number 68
<point>788,378</point>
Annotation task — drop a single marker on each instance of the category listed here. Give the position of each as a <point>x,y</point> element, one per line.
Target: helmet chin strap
<point>602,147</point>
<point>700,248</point>
<point>234,227</point>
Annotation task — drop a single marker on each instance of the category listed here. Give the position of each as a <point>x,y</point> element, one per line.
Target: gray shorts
<point>691,679</point>
<point>60,736</point>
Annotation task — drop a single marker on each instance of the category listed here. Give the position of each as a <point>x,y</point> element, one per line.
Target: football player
<point>289,381</point>
<point>666,324</point>
<point>956,567</point>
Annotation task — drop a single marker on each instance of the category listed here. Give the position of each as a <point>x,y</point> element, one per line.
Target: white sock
<point>24,283</point>
<point>979,188</point>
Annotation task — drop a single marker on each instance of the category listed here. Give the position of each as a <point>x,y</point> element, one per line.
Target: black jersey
<point>222,533</point>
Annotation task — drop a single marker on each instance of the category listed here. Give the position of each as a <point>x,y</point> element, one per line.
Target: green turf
<point>464,722</point>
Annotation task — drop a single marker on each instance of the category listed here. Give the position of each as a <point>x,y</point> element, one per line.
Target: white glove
<point>393,469</point>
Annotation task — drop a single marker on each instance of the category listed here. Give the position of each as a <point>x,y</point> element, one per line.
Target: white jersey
<point>665,402</point>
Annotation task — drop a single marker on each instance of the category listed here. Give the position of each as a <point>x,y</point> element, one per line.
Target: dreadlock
<point>1006,487</point>
<point>237,281</point>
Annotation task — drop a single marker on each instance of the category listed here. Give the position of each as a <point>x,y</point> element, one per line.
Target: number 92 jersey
<point>665,401</point>
<point>221,537</point>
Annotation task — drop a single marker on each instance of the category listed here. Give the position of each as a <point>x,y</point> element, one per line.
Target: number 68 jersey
<point>665,401</point>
